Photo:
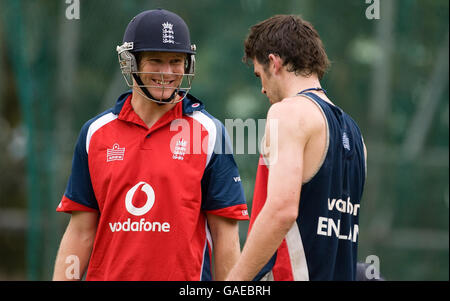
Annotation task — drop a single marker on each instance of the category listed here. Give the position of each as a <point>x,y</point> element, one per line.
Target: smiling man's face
<point>162,72</point>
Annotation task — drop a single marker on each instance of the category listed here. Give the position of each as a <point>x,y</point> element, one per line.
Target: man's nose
<point>263,91</point>
<point>166,68</point>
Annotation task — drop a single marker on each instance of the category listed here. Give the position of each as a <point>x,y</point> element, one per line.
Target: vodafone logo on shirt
<point>148,204</point>
<point>142,225</point>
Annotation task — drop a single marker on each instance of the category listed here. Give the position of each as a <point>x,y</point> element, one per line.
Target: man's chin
<point>162,96</point>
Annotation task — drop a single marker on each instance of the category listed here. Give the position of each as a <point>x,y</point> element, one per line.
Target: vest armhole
<point>327,145</point>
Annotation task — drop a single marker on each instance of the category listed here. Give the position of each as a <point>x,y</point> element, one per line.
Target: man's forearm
<point>226,246</point>
<point>226,254</point>
<point>266,235</point>
<point>73,257</point>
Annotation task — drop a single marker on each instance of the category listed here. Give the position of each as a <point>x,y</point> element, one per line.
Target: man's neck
<point>294,84</point>
<point>149,111</point>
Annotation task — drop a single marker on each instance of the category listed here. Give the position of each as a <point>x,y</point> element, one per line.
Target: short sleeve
<point>222,191</point>
<point>79,194</point>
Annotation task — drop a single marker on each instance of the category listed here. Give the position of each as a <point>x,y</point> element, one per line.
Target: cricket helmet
<point>157,30</point>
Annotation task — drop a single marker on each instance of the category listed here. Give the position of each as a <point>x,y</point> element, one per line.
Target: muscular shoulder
<point>297,114</point>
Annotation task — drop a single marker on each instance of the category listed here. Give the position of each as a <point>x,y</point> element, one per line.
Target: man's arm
<point>226,247</point>
<point>283,191</point>
<point>77,241</point>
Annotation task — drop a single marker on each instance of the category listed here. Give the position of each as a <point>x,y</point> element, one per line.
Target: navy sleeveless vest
<point>322,244</point>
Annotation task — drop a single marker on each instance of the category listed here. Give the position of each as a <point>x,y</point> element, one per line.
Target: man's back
<point>322,243</point>
<point>307,192</point>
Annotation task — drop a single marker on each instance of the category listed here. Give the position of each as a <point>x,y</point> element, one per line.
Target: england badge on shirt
<point>180,150</point>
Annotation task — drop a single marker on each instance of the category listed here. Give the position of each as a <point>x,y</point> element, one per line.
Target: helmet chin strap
<point>149,95</point>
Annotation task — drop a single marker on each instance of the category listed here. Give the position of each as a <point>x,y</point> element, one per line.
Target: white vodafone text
<point>141,226</point>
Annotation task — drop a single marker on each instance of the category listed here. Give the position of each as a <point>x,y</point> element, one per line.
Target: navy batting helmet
<point>156,30</point>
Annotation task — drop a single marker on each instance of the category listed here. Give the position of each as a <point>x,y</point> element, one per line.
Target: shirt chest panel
<point>168,159</point>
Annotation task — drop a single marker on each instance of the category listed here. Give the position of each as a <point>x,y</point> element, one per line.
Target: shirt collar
<point>191,104</point>
<point>125,111</point>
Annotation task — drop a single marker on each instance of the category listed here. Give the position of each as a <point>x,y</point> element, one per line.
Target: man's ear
<point>275,63</point>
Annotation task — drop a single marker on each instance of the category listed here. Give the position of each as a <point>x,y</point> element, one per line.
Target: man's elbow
<point>290,218</point>
<point>285,216</point>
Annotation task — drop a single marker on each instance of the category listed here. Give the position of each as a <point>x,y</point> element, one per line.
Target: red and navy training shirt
<point>152,188</point>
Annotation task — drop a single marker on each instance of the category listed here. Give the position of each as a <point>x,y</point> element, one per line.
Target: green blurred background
<point>390,74</point>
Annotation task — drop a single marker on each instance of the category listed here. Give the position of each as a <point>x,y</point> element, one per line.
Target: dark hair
<point>293,39</point>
